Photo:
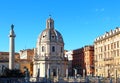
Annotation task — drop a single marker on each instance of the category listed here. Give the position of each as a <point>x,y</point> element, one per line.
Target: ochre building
<point>83,61</point>
<point>78,61</point>
<point>89,60</point>
<point>26,57</point>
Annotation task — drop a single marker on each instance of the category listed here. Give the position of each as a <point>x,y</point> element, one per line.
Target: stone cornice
<point>107,35</point>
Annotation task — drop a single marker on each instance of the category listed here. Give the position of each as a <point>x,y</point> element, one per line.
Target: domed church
<point>49,60</point>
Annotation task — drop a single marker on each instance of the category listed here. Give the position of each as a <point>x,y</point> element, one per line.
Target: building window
<point>104,48</point>
<point>54,72</point>
<point>43,48</point>
<point>111,45</point>
<point>51,25</point>
<point>114,52</point>
<point>117,44</point>
<point>53,48</point>
<point>101,49</point>
<point>53,37</point>
<point>108,46</point>
<point>61,49</point>
<point>117,52</point>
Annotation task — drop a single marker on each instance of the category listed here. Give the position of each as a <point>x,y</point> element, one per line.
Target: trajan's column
<point>11,48</point>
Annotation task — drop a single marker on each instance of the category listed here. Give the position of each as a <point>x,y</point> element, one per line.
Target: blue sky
<point>79,21</point>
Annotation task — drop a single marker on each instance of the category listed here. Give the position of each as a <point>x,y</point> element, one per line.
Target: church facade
<point>49,60</point>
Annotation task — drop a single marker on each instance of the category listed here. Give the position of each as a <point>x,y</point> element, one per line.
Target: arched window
<point>43,48</point>
<point>61,49</point>
<point>53,36</point>
<point>54,72</point>
<point>53,48</point>
<point>50,24</point>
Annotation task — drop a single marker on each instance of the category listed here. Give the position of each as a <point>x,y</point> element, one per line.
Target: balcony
<point>95,60</point>
<point>108,59</point>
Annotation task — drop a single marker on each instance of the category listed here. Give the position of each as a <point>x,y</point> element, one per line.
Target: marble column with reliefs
<point>12,48</point>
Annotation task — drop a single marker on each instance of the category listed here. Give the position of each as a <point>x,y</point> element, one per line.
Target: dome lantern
<point>50,23</point>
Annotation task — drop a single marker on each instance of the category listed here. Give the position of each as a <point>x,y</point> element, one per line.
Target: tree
<point>11,73</point>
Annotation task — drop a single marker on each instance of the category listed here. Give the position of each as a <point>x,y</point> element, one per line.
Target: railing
<point>107,59</point>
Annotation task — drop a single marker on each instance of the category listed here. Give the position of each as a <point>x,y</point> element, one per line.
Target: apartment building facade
<point>83,60</point>
<point>89,60</point>
<point>107,54</point>
<point>78,61</point>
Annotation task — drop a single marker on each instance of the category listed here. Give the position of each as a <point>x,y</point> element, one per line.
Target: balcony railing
<point>107,59</point>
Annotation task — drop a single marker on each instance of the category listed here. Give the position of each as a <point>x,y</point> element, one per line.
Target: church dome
<point>50,34</point>
<point>49,52</point>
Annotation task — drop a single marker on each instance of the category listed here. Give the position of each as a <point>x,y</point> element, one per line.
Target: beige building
<point>107,54</point>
